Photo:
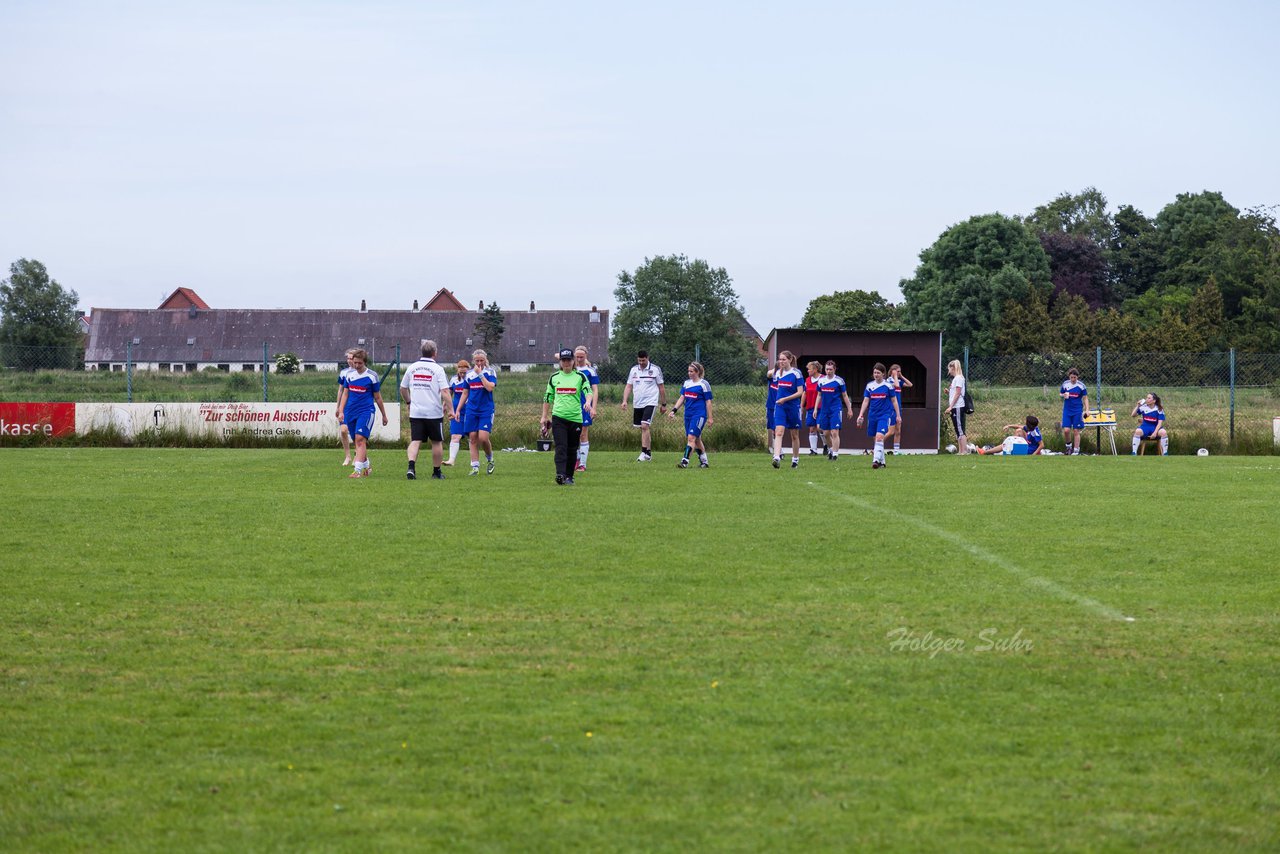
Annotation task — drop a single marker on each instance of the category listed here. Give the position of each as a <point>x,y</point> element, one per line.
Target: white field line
<point>1050,587</point>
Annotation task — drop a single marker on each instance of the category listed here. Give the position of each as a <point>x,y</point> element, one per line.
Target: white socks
<point>1164,446</point>
<point>453,448</point>
<point>878,457</point>
<point>813,442</point>
<point>582,452</point>
<point>1137,440</point>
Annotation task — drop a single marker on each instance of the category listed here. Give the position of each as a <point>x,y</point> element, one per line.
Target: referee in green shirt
<point>566,391</point>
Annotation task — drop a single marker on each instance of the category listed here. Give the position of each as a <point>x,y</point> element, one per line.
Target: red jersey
<point>810,392</point>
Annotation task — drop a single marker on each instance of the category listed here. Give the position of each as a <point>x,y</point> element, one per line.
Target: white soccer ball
<point>951,449</point>
<point>1203,452</point>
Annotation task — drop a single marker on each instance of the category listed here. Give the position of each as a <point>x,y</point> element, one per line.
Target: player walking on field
<point>699,413</point>
<point>478,423</point>
<point>786,408</point>
<point>833,403</point>
<point>879,406</point>
<point>814,373</point>
<point>343,434</point>
<point>650,390</point>
<point>1151,411</point>
<point>425,387</point>
<point>770,398</point>
<point>458,390</point>
<point>562,413</point>
<point>1075,401</point>
<point>899,383</point>
<point>360,394</point>
<point>590,402</point>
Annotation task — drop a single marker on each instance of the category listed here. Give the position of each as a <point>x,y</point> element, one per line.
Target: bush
<point>287,363</point>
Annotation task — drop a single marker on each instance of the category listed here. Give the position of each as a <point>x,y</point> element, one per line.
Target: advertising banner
<point>37,419</point>
<point>264,420</point>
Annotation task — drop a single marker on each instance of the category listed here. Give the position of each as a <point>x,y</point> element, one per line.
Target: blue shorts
<point>455,427</point>
<point>786,416</point>
<point>475,422</point>
<point>1074,422</point>
<point>810,420</point>
<point>893,418</point>
<point>879,425</point>
<point>769,423</point>
<point>587,421</point>
<point>830,419</point>
<point>693,426</point>
<point>1149,433</point>
<point>360,425</point>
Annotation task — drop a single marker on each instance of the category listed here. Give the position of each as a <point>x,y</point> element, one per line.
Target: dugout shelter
<point>855,354</point>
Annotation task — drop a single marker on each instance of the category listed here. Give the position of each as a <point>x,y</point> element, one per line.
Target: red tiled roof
<point>184,298</point>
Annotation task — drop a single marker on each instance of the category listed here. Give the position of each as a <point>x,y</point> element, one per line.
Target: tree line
<point>1200,275</point>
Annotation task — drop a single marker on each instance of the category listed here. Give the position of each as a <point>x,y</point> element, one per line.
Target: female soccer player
<point>770,399</point>
<point>1075,403</point>
<point>1029,431</point>
<point>786,408</point>
<point>833,403</point>
<point>878,400</point>
<point>699,413</point>
<point>899,383</point>
<point>343,435</point>
<point>1151,411</point>
<point>955,403</point>
<point>361,392</point>
<point>478,423</point>
<point>814,371</point>
<point>458,387</point>
<point>582,361</point>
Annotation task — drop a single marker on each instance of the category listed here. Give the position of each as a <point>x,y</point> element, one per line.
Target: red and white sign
<point>265,420</point>
<point>37,419</point>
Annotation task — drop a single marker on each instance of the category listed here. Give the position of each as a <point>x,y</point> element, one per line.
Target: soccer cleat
<point>777,462</point>
<point>447,463</point>
<point>684,463</point>
<point>411,475</point>
<point>568,481</point>
<point>354,474</point>
<point>813,452</point>
<point>704,465</point>
<point>437,475</point>
<point>644,458</point>
<point>579,467</point>
<point>475,470</point>
<point>795,464</point>
<point>876,464</point>
<point>559,480</point>
<point>489,468</point>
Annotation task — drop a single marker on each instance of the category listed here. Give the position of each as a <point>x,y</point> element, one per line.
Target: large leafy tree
<point>850,310</point>
<point>968,275</point>
<point>1078,266</point>
<point>1083,214</point>
<point>38,321</point>
<point>672,307</point>
<point>1133,254</point>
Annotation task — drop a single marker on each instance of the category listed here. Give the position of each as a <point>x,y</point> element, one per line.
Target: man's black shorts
<point>642,415</point>
<point>426,429</point>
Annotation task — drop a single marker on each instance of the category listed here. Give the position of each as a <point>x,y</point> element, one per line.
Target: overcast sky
<point>290,154</point>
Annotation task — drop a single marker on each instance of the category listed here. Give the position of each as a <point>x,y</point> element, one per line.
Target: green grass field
<point>244,650</point>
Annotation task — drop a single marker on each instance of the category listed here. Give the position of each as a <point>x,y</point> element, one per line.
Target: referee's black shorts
<point>426,429</point>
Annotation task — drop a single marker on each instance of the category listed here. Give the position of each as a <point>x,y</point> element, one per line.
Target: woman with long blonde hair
<point>478,424</point>
<point>955,404</point>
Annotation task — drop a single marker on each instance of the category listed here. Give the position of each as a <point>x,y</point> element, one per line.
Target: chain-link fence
<point>1222,401</point>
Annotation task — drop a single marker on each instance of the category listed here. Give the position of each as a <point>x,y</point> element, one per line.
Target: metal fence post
<point>128,368</point>
<point>1232,434</point>
<point>966,363</point>
<point>397,373</point>
<point>1099,375</point>
<point>697,351</point>
<point>266,369</point>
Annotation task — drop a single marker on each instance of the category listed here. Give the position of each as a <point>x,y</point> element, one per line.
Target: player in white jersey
<point>425,386</point>
<point>646,381</point>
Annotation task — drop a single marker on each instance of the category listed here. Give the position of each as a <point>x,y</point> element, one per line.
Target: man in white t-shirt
<point>645,380</point>
<point>425,387</point>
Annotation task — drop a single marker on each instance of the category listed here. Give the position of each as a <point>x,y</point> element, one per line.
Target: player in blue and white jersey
<point>361,392</point>
<point>769,399</point>
<point>1028,432</point>
<point>1151,411</point>
<point>899,383</point>
<point>582,361</point>
<point>699,413</point>
<point>343,435</point>
<point>786,408</point>
<point>879,408</point>
<point>833,404</point>
<point>1075,402</point>
<point>478,417</point>
<point>458,389</point>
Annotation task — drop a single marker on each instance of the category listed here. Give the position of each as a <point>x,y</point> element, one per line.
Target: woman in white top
<point>955,404</point>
